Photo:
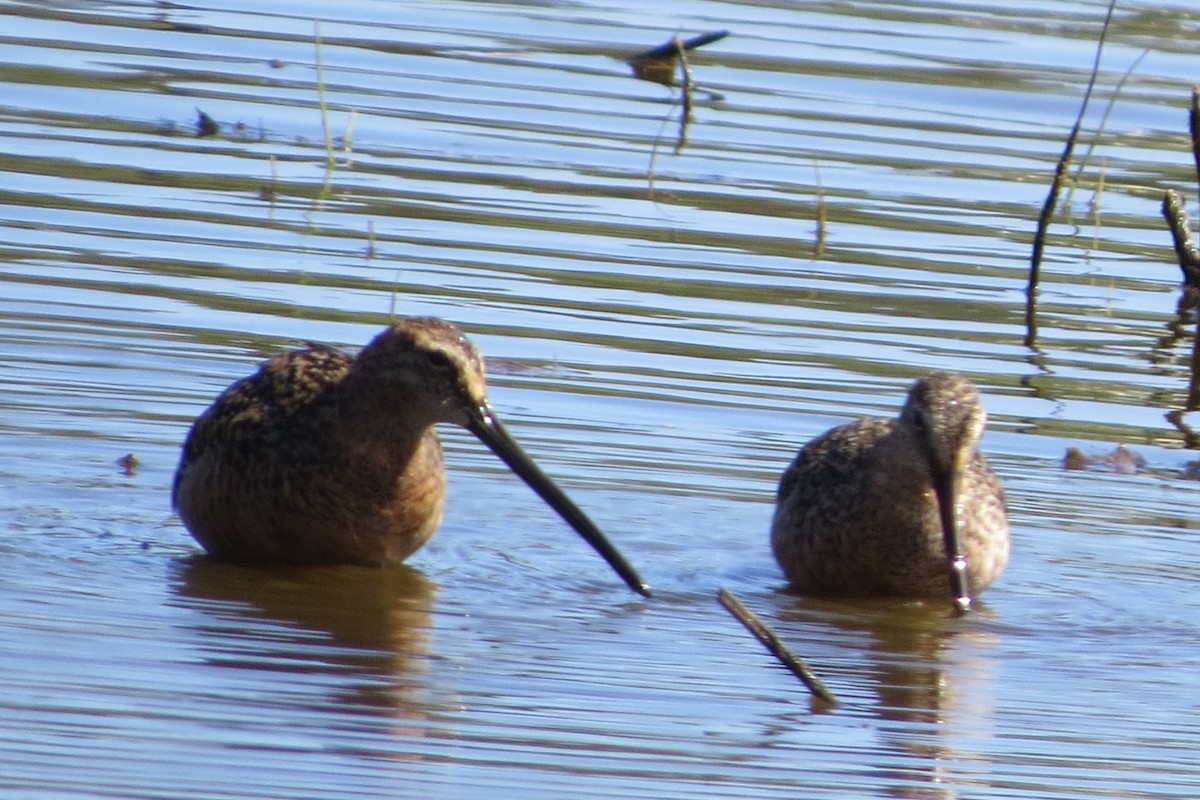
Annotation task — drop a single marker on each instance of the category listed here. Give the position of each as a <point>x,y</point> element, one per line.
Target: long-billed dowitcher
<point>321,457</point>
<point>896,507</point>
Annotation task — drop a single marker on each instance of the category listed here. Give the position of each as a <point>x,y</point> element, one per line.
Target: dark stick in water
<point>1060,172</point>
<point>677,46</point>
<point>775,647</point>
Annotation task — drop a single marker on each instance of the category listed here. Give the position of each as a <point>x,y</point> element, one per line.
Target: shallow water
<point>663,329</point>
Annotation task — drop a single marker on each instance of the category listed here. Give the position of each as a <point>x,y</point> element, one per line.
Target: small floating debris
<point>1122,461</point>
<point>658,63</point>
<point>776,647</point>
<point>128,464</point>
<point>205,125</point>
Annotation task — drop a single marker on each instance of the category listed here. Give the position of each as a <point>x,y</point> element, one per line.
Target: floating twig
<point>776,647</point>
<point>658,63</point>
<point>677,45</point>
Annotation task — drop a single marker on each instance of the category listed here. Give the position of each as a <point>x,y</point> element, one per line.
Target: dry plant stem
<point>1191,271</point>
<point>1189,263</point>
<point>685,115</point>
<point>775,647</point>
<point>348,136</point>
<point>329,156</point>
<point>1108,109</point>
<point>1181,237</point>
<point>663,58</point>
<point>819,246</point>
<point>685,70</point>
<point>1190,438</point>
<point>395,296</point>
<point>1094,205</point>
<point>1060,172</point>
<point>1194,128</point>
<point>270,193</point>
<point>1193,400</point>
<point>1186,252</point>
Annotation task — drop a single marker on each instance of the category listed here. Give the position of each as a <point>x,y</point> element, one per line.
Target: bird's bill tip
<point>956,557</point>
<point>489,430</point>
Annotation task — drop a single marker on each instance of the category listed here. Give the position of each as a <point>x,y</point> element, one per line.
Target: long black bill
<point>495,436</point>
<point>946,489</point>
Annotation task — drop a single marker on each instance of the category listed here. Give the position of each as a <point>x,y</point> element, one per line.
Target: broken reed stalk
<point>1181,237</point>
<point>1060,172</point>
<point>685,71</point>
<point>775,647</point>
<point>685,116</point>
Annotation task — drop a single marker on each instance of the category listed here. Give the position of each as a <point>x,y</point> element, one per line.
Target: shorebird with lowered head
<point>322,457</point>
<point>896,507</point>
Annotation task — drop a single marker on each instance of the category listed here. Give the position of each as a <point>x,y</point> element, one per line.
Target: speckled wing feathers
<point>256,411</point>
<point>859,510</point>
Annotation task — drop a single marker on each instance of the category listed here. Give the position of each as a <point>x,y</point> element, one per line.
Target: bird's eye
<point>439,361</point>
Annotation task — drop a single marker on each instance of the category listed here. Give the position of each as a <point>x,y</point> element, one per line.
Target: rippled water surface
<point>666,321</point>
